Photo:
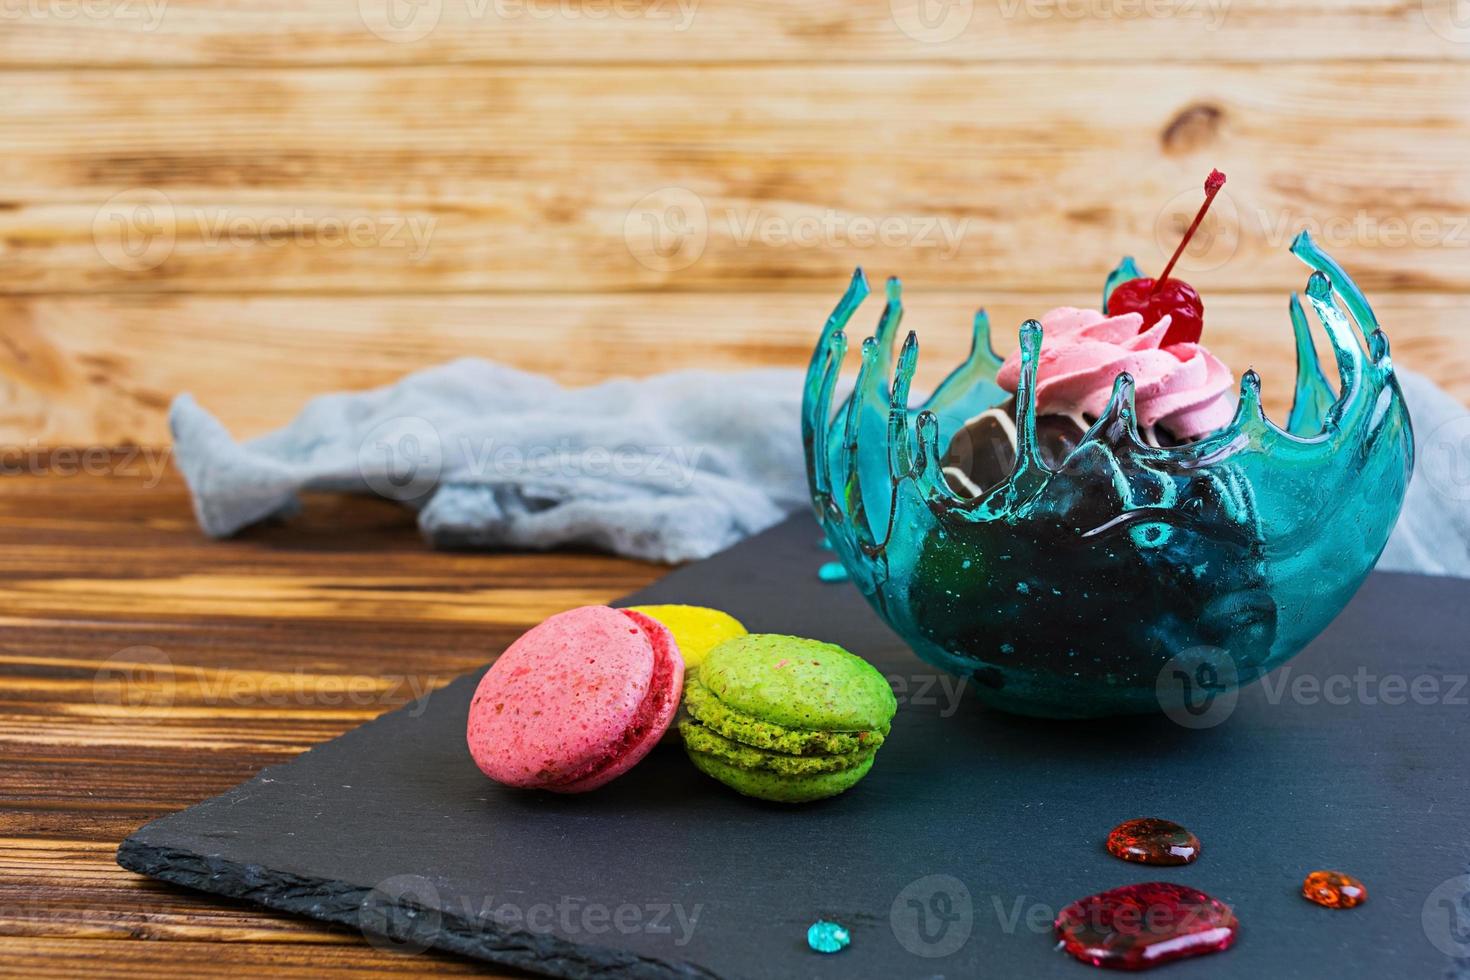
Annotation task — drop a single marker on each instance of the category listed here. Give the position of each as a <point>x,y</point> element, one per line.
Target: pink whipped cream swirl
<point>1182,388</point>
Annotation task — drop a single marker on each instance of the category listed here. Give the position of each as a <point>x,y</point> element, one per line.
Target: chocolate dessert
<point>982,454</point>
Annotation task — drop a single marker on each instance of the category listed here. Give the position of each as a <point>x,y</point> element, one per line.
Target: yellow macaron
<point>696,629</point>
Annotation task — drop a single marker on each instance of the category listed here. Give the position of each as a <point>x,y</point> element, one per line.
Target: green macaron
<point>778,788</point>
<point>785,718</point>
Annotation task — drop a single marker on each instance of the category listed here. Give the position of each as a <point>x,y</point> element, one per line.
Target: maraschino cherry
<point>1156,298</point>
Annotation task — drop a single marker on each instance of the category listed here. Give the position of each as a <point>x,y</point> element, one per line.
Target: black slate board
<point>390,828</point>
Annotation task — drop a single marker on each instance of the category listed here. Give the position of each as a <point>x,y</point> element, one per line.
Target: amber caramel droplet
<point>1139,926</point>
<point>1334,890</point>
<point>1149,840</point>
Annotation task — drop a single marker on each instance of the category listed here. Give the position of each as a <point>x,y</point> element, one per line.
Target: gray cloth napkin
<point>1433,532</point>
<point>667,468</point>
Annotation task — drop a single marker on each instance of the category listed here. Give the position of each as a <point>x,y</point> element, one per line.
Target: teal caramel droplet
<point>827,937</point>
<point>832,572</point>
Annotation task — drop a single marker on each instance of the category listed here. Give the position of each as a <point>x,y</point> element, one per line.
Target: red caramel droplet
<point>1334,889</point>
<point>1141,926</point>
<point>1149,840</point>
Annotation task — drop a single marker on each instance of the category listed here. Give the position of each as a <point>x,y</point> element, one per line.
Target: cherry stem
<point>1213,183</point>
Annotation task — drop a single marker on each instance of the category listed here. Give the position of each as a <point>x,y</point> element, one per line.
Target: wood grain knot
<point>1194,128</point>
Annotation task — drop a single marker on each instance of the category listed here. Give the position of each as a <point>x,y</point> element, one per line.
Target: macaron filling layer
<point>781,788</point>
<point>706,706</point>
<point>649,722</point>
<point>704,741</point>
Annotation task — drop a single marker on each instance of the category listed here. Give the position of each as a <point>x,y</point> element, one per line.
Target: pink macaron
<point>577,701</point>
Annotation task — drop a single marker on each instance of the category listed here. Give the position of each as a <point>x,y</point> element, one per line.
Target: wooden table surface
<point>144,668</point>
<point>258,202</point>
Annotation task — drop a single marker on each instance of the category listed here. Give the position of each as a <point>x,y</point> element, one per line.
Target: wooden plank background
<point>257,202</point>
<point>282,33</point>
